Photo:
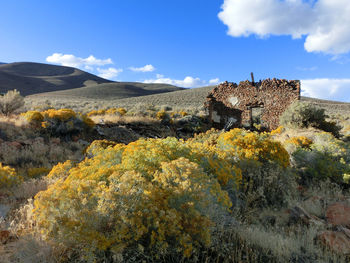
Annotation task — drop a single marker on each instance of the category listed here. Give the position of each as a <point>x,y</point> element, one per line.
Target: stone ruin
<point>251,102</point>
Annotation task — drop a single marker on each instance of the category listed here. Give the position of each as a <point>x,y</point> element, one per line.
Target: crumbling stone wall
<point>237,102</point>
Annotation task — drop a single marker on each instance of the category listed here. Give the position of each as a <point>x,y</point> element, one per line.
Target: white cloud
<point>109,73</point>
<point>325,88</point>
<point>325,23</point>
<point>188,82</point>
<point>73,61</point>
<point>214,81</point>
<point>146,68</point>
<point>307,68</point>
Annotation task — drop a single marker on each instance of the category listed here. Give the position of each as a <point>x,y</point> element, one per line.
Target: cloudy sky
<point>189,43</point>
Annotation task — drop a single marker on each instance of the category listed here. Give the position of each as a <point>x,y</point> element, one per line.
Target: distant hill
<point>1,63</point>
<point>35,78</point>
<point>112,91</point>
<point>30,78</point>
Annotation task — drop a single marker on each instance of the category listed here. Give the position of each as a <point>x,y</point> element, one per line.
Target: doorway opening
<point>256,115</point>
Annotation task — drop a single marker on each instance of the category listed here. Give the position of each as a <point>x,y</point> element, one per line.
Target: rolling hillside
<point>30,78</point>
<point>112,91</point>
<point>67,82</point>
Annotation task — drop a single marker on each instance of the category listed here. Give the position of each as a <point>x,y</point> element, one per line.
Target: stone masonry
<point>260,102</point>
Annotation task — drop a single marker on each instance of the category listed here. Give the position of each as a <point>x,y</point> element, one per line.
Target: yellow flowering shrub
<point>8,176</point>
<point>59,122</point>
<point>97,146</point>
<point>60,170</point>
<point>209,137</point>
<point>258,162</point>
<point>61,114</point>
<point>183,113</point>
<point>160,194</point>
<point>242,144</point>
<point>111,111</point>
<point>96,112</point>
<point>143,193</point>
<point>87,121</point>
<point>161,115</point>
<point>278,130</point>
<point>121,111</point>
<point>33,116</point>
<point>300,141</point>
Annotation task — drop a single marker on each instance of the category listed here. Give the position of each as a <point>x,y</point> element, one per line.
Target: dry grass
<point>111,118</point>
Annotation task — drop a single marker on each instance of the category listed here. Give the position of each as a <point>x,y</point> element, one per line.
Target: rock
<point>55,141</point>
<point>75,138</point>
<point>315,205</point>
<point>336,241</point>
<point>83,143</point>
<point>338,214</point>
<point>298,214</point>
<point>16,145</point>
<point>4,209</point>
<point>39,140</point>
<point>344,230</point>
<point>188,123</point>
<point>4,236</point>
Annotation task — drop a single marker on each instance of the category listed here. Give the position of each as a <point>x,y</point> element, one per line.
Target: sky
<point>188,43</point>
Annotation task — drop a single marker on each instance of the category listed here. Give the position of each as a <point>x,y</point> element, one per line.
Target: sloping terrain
<point>329,105</point>
<point>183,98</point>
<point>67,82</point>
<point>197,96</point>
<point>112,91</point>
<point>30,78</point>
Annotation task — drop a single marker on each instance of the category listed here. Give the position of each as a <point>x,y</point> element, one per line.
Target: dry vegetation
<point>129,181</point>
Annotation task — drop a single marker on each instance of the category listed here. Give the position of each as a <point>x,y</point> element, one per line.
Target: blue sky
<point>187,43</point>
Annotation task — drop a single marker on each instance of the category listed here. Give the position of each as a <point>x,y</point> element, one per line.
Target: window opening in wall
<point>256,114</point>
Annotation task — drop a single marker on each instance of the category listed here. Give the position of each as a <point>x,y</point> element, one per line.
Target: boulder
<point>299,215</point>
<point>4,236</point>
<point>4,209</point>
<point>16,145</point>
<point>337,241</point>
<point>338,214</point>
<point>55,140</point>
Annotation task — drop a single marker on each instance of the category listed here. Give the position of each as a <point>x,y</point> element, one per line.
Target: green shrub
<point>304,115</point>
<point>10,102</point>
<point>265,185</point>
<point>327,158</point>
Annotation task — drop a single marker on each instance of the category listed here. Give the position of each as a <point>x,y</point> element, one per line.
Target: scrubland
<point>97,182</point>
